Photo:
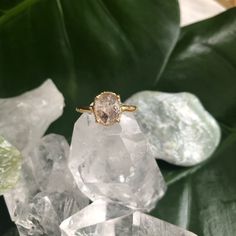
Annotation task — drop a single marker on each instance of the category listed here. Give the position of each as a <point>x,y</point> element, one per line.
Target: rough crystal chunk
<point>38,218</point>
<point>115,163</point>
<point>10,165</point>
<point>25,118</point>
<point>103,218</point>
<point>107,108</point>
<point>46,178</point>
<point>179,129</point>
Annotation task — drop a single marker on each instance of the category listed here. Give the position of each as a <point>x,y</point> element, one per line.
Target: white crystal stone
<point>10,165</point>
<point>48,177</point>
<point>179,129</point>
<point>25,118</point>
<point>103,218</point>
<point>115,163</point>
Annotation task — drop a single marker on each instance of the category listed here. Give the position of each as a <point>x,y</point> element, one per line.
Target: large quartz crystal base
<point>115,163</point>
<point>103,218</point>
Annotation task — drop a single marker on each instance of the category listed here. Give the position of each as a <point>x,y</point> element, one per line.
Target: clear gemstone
<point>115,163</point>
<point>10,165</point>
<point>178,128</point>
<point>103,218</point>
<point>107,108</point>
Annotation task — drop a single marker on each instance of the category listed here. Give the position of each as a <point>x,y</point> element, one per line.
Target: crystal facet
<point>103,218</point>
<point>46,183</point>
<point>115,163</point>
<point>38,218</point>
<point>25,118</point>
<point>178,128</point>
<point>10,165</point>
<point>107,108</point>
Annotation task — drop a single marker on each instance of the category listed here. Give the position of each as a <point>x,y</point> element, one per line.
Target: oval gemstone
<point>107,108</point>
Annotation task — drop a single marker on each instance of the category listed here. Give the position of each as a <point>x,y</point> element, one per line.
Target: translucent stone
<point>25,118</point>
<point>45,175</point>
<point>38,218</point>
<point>145,225</point>
<point>103,218</point>
<point>178,128</point>
<point>115,163</point>
<point>107,108</point>
<point>10,165</point>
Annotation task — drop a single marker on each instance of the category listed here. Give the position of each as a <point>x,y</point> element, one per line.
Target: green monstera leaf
<point>89,46</point>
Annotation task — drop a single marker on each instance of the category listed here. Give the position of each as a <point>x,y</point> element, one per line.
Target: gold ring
<point>107,108</point>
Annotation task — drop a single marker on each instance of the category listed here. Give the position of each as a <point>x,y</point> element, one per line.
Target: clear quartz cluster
<point>115,163</point>
<point>105,218</point>
<point>46,193</point>
<point>178,128</point>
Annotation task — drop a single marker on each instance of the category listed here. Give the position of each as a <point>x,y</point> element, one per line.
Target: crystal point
<point>103,218</point>
<point>178,128</point>
<point>115,163</point>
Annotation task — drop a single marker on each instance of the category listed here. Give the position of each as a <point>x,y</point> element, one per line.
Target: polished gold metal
<point>121,107</point>
<point>124,108</point>
<point>85,109</point>
<point>129,108</point>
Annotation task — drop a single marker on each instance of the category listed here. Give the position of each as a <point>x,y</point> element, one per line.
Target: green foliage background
<point>125,46</point>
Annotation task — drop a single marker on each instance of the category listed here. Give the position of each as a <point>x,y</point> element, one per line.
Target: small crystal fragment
<point>38,218</point>
<point>10,165</point>
<point>103,218</point>
<point>107,108</point>
<point>115,163</point>
<point>25,118</point>
<point>178,128</point>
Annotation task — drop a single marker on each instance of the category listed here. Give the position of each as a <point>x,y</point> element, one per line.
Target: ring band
<point>124,108</point>
<point>107,108</point>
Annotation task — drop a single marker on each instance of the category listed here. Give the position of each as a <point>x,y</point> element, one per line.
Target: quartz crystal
<point>103,218</point>
<point>10,165</point>
<point>115,163</point>
<point>178,128</point>
<point>38,218</point>
<point>46,184</point>
<point>25,118</point>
